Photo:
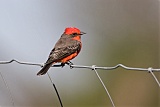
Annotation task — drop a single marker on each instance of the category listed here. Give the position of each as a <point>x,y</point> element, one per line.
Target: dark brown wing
<point>63,48</point>
<point>60,53</point>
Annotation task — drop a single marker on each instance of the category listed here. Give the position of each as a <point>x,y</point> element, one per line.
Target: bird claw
<point>70,64</point>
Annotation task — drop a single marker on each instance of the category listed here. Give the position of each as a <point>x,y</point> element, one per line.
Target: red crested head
<point>73,30</point>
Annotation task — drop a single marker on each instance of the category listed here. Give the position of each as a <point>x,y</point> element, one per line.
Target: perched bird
<point>66,48</point>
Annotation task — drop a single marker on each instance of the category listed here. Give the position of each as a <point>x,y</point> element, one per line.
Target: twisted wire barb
<point>150,71</point>
<point>93,67</point>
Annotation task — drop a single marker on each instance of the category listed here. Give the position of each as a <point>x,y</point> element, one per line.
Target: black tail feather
<point>44,69</point>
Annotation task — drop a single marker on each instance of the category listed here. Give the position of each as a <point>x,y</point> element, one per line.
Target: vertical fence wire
<point>54,87</point>
<point>113,105</point>
<point>9,91</point>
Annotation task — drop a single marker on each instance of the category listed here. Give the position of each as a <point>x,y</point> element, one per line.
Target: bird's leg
<point>70,64</point>
<point>63,64</point>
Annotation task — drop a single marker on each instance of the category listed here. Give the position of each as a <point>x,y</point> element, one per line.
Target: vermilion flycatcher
<point>66,48</point>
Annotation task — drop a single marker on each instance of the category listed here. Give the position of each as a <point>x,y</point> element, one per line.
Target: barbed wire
<point>93,67</point>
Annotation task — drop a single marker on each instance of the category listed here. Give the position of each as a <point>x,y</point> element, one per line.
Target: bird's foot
<point>70,64</point>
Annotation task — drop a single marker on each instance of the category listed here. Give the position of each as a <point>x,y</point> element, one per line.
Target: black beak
<point>82,33</point>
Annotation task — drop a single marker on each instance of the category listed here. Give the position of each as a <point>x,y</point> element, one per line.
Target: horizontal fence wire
<point>93,67</point>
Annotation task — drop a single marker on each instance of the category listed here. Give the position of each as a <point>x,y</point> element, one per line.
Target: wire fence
<point>93,67</point>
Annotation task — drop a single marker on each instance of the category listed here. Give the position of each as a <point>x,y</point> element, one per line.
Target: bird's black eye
<point>74,34</point>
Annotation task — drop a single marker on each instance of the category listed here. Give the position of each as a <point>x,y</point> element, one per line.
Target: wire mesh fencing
<point>92,67</point>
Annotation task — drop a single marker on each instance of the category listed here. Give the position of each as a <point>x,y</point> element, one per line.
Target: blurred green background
<point>118,31</point>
